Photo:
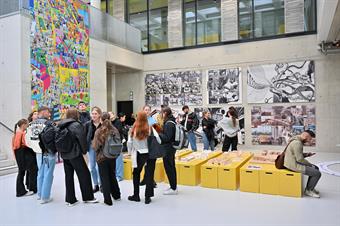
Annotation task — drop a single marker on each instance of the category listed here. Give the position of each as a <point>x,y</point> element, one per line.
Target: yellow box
<point>209,176</point>
<point>249,179</point>
<point>190,172</point>
<point>179,154</point>
<point>290,183</point>
<point>269,179</point>
<point>127,169</point>
<point>159,171</point>
<point>229,175</point>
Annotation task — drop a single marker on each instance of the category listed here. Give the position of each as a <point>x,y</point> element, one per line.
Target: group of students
<point>91,133</point>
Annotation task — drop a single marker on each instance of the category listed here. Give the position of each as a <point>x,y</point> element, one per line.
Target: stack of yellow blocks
<point>224,176</point>
<point>266,179</point>
<point>179,154</point>
<point>189,173</point>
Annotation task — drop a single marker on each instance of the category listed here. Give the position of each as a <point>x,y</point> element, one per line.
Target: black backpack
<point>47,137</point>
<point>113,147</point>
<point>65,139</point>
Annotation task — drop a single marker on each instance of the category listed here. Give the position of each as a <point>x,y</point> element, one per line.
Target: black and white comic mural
<point>224,86</point>
<point>281,83</point>
<point>174,88</point>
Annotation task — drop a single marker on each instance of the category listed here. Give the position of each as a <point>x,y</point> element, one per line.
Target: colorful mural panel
<point>59,54</point>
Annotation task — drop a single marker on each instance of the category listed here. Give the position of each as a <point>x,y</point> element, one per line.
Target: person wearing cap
<point>295,160</point>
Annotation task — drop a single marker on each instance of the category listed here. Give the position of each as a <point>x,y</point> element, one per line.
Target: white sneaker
<point>316,191</point>
<point>46,201</point>
<point>170,192</point>
<point>92,201</point>
<point>312,194</point>
<point>38,198</point>
<point>72,204</point>
<point>29,193</point>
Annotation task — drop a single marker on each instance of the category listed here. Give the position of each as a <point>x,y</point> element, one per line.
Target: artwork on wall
<point>281,83</point>
<point>275,125</point>
<point>59,54</point>
<point>174,88</point>
<point>217,113</point>
<point>224,86</point>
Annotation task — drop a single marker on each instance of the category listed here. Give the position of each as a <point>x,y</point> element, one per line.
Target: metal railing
<point>6,127</point>
<point>103,27</point>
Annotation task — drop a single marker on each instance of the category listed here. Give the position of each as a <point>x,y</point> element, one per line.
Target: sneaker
<point>95,189</point>
<point>92,201</point>
<point>72,204</point>
<point>147,200</point>
<point>134,198</point>
<point>46,201</point>
<point>29,193</point>
<point>38,198</point>
<point>312,194</point>
<point>316,191</point>
<point>170,192</point>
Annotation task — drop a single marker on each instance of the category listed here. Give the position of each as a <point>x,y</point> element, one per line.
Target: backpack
<point>47,137</point>
<point>181,137</point>
<point>113,147</point>
<point>65,139</point>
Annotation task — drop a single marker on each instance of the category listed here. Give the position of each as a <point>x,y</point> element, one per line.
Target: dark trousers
<point>107,173</point>
<point>230,141</point>
<point>314,176</point>
<point>170,168</point>
<point>143,159</point>
<point>26,162</point>
<point>77,164</point>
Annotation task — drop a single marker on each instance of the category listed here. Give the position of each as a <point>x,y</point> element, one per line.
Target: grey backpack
<point>113,147</point>
<point>181,137</point>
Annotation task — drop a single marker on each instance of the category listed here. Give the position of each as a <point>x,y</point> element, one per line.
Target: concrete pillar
<point>175,23</point>
<point>229,20</point>
<point>119,9</point>
<point>294,16</point>
<point>95,3</point>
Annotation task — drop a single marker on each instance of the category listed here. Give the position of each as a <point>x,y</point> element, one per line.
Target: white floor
<point>193,206</point>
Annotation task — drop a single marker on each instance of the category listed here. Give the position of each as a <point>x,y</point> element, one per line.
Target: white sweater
<point>227,125</point>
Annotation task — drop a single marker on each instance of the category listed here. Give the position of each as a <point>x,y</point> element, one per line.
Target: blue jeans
<point>208,143</point>
<point>38,157</point>
<point>94,167</point>
<point>192,140</point>
<point>45,175</point>
<point>120,167</point>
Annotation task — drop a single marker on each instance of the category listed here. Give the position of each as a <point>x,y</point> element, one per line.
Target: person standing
<point>84,115</point>
<point>90,128</point>
<point>74,160</point>
<point>230,126</point>
<point>295,161</point>
<point>168,138</point>
<point>138,147</point>
<point>24,163</point>
<point>119,123</point>
<point>107,166</point>
<point>208,125</point>
<point>191,124</point>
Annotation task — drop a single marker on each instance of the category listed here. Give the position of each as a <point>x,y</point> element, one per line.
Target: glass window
<point>208,21</point>
<point>158,24</point>
<point>189,22</point>
<point>268,17</point>
<point>310,15</point>
<point>137,17</point>
<point>245,19</point>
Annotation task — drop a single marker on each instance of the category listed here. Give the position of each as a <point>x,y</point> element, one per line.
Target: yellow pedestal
<point>127,169</point>
<point>229,175</point>
<point>179,154</point>
<point>209,176</point>
<point>190,172</point>
<point>249,179</point>
<point>269,179</point>
<point>290,183</point>
<point>159,171</point>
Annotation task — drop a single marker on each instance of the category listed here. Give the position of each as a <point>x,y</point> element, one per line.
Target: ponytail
<point>233,115</point>
<point>19,124</point>
<point>234,121</point>
<point>15,128</point>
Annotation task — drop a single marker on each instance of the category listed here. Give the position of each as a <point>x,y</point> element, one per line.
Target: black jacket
<point>168,134</point>
<point>77,129</point>
<point>192,123</point>
<point>84,117</point>
<point>121,128</point>
<point>210,126</point>
<point>90,129</point>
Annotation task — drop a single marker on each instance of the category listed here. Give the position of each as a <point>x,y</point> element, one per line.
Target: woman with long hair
<point>107,166</point>
<point>138,147</point>
<point>20,147</point>
<point>230,126</point>
<point>208,125</point>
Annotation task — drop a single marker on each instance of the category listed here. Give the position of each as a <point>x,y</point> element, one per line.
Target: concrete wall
<point>265,52</point>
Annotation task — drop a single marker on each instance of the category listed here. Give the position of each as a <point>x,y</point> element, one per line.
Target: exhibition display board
<point>223,172</point>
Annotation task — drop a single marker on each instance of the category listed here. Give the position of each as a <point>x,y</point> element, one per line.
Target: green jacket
<point>294,156</point>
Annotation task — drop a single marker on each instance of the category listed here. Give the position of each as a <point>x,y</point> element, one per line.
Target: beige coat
<point>294,156</point>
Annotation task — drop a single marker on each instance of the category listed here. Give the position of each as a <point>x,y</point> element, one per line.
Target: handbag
<point>280,159</point>
<point>156,150</point>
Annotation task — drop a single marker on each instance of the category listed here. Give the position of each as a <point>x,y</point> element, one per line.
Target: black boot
<point>134,198</point>
<point>147,200</point>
